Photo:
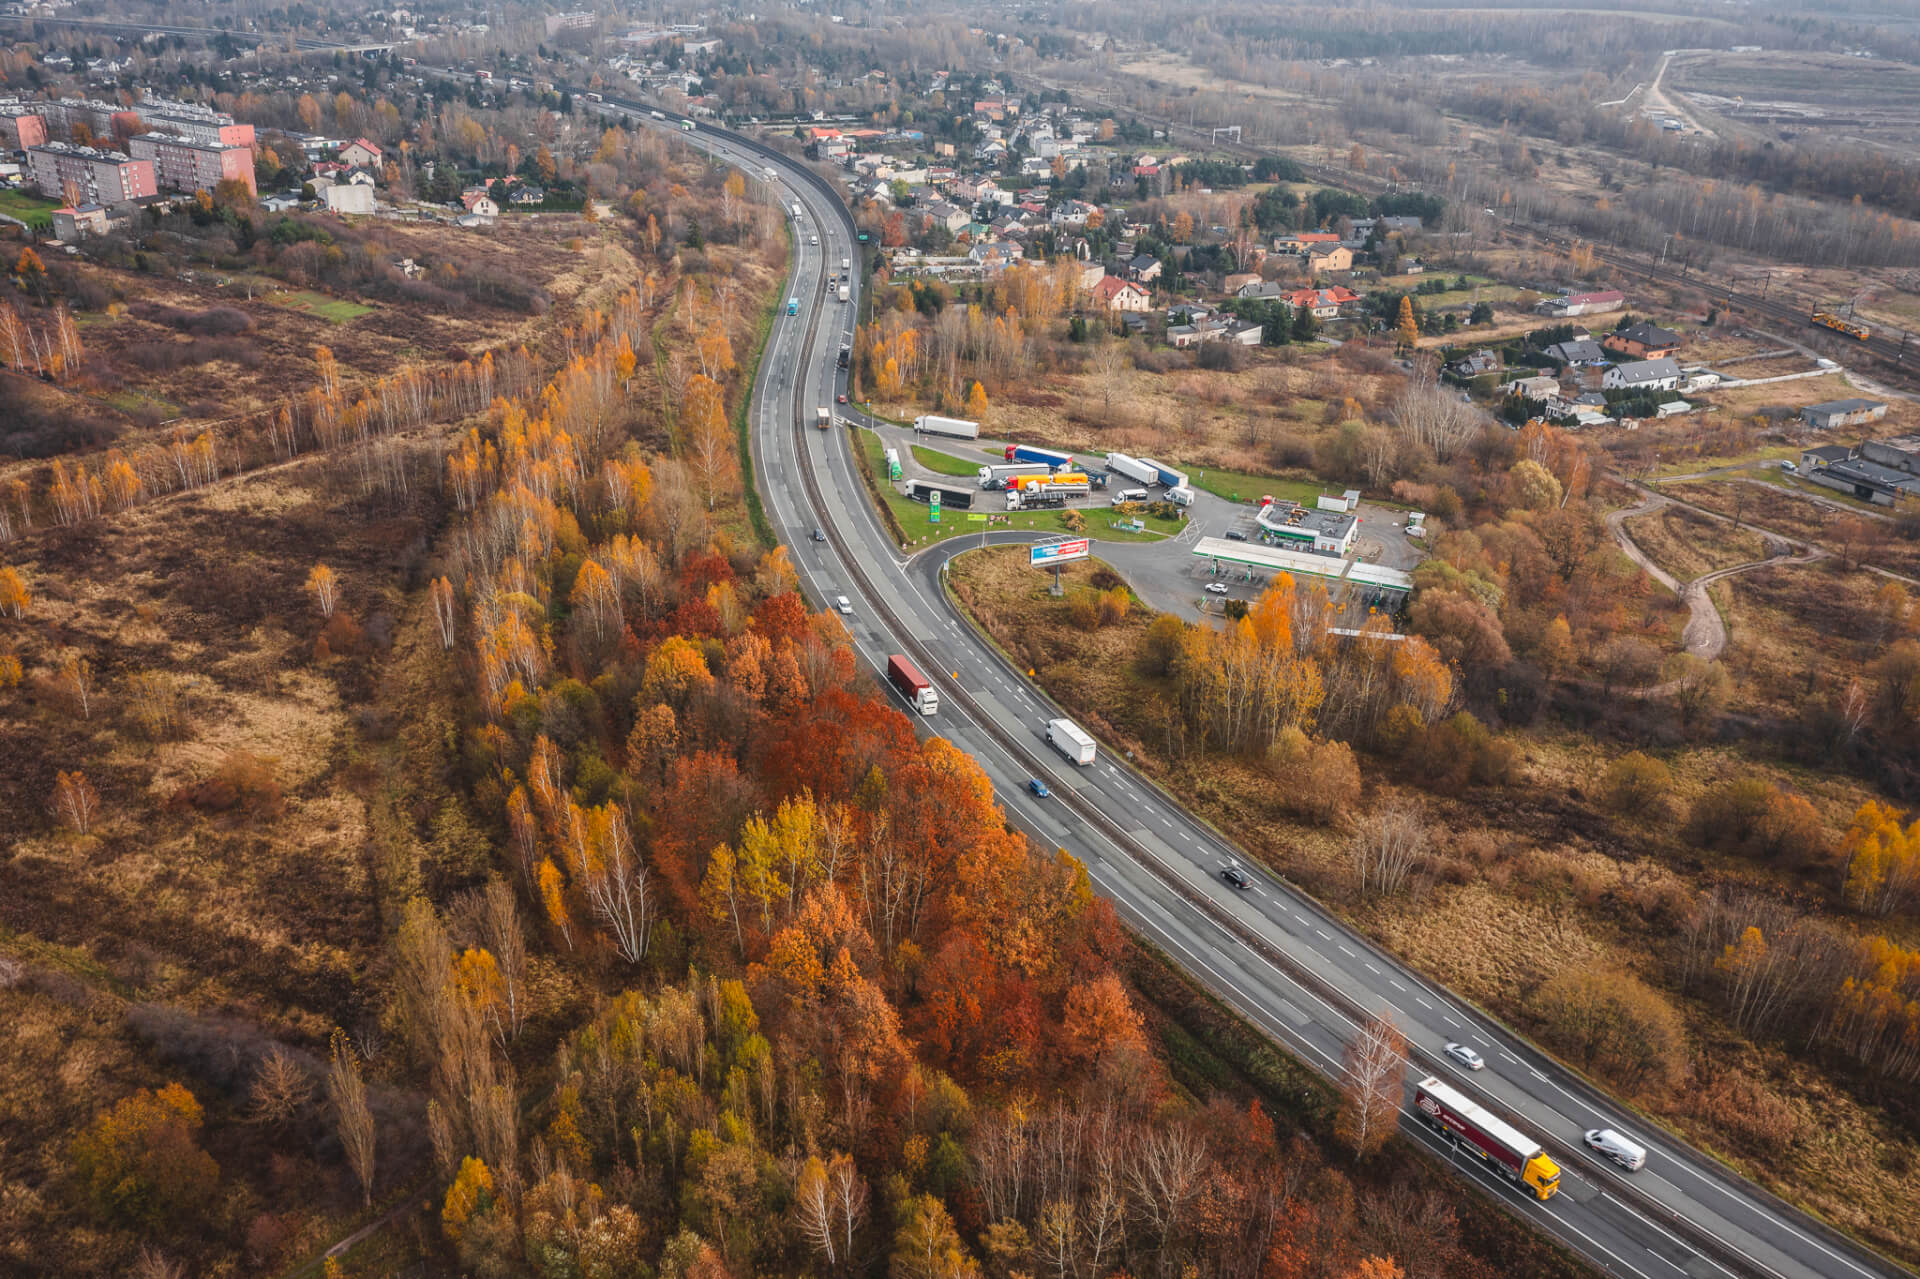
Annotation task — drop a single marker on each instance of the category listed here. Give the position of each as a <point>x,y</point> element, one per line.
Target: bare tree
<point>1370,1088</point>
<point>353,1119</point>
<point>280,1091</point>
<point>1387,848</point>
<point>1109,367</point>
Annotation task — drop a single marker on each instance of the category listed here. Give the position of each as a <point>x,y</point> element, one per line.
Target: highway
<point>1270,952</point>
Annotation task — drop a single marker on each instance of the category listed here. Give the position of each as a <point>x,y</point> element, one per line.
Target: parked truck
<point>1034,499</point>
<point>912,685</point>
<point>1475,1130</point>
<point>1028,453</point>
<point>960,428</point>
<point>1133,468</point>
<point>1181,496</point>
<point>998,474</point>
<point>1065,483</point>
<point>1070,740</point>
<point>921,491</point>
<point>1164,474</point>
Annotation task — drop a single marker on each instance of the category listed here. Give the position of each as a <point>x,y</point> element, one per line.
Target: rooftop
<point>1854,406</point>
<point>1301,563</point>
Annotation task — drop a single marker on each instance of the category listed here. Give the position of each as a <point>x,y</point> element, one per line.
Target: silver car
<point>1466,1057</point>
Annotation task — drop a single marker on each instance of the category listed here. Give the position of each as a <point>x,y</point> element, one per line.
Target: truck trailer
<point>1028,453</point>
<point>1518,1158</point>
<point>1070,740</point>
<point>999,474</point>
<point>921,491</point>
<point>846,294</point>
<point>823,417</point>
<point>912,685</point>
<point>960,428</point>
<point>1164,474</point>
<point>1035,499</point>
<point>1133,468</point>
<point>1066,483</point>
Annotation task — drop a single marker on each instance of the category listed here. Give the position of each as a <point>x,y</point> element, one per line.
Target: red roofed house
<point>478,201</point>
<point>361,153</point>
<point>1324,303</point>
<point>1117,294</point>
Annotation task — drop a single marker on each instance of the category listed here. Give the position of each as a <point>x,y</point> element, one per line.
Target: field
<point>1540,860</point>
<point>1688,544</point>
<point>945,463</point>
<point>332,310</point>
<point>31,209</point>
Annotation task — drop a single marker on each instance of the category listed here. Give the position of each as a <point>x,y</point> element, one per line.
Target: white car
<point>1216,588</point>
<point>845,605</point>
<point>1466,1057</point>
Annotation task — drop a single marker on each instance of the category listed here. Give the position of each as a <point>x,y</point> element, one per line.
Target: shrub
<point>1751,817</point>
<point>1638,786</point>
<point>1612,1023</point>
<point>1321,780</point>
<point>244,781</point>
<point>1161,644</point>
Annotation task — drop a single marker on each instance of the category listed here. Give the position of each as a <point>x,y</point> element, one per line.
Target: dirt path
<point>1706,632</point>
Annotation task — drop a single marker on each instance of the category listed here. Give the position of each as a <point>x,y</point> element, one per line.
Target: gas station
<point>1254,560</point>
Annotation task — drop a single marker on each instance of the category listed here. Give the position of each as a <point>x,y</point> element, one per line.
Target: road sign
<point>1047,554</point>
<point>976,519</point>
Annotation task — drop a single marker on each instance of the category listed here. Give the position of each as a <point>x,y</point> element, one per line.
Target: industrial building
<point>1823,417</point>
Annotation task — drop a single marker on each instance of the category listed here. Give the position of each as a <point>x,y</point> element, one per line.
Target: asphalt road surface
<point>1269,951</point>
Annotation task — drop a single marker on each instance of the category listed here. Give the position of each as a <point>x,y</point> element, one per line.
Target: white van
<point>1129,495</point>
<point>1624,1151</point>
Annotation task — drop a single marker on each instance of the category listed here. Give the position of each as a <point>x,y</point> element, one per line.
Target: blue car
<point>1038,787</point>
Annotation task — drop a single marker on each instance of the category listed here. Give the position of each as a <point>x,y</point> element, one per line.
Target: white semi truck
<point>931,424</point>
<point>1071,740</point>
<point>1133,468</point>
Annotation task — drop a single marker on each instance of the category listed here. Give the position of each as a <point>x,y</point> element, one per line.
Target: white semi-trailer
<point>1133,468</point>
<point>930,424</point>
<point>997,475</point>
<point>1071,740</point>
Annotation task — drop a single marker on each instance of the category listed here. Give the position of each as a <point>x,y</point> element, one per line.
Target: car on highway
<point>819,534</point>
<point>1466,1056</point>
<point>1038,787</point>
<point>843,397</point>
<point>844,604</point>
<point>1237,877</point>
<point>1216,588</point>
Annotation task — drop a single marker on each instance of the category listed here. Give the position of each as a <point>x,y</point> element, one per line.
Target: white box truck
<point>1070,740</point>
<point>846,295</point>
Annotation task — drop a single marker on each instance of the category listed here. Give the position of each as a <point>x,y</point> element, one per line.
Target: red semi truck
<point>1516,1157</point>
<point>915,687</point>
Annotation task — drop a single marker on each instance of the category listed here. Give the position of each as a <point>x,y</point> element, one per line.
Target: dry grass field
<point>1687,544</point>
<point>1539,860</point>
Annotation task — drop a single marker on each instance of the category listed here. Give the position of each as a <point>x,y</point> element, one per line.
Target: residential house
<point>1243,333</point>
<point>1115,294</point>
<point>1573,304</point>
<point>1301,241</point>
<point>1091,274</point>
<point>360,153</point>
<point>1823,417</point>
<point>1642,341</point>
<point>76,223</point>
<point>1264,291</point>
<point>1239,280</point>
<point>1540,387</point>
<point>1642,375</point>
<point>1329,257</point>
<point>951,217</point>
<point>1577,352</point>
<point>524,195</point>
<point>1481,361</point>
<point>1324,303</point>
<point>479,203</point>
<point>1144,269</point>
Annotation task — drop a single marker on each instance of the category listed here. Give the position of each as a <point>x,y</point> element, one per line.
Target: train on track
<point>1840,324</point>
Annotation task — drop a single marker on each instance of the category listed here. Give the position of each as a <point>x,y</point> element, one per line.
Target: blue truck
<point>1028,453</point>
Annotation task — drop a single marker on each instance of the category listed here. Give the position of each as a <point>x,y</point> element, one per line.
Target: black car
<point>819,535</point>
<point>1235,535</point>
<point>1237,877</point>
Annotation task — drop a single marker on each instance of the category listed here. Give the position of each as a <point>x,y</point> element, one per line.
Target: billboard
<point>1047,554</point>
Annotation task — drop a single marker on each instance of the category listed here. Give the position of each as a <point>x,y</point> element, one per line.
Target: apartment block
<point>181,164</point>
<point>101,177</point>
<point>195,123</point>
<point>21,127</point>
